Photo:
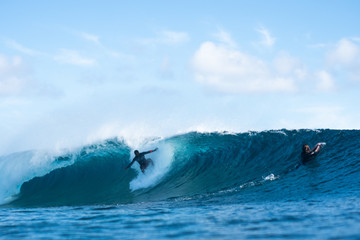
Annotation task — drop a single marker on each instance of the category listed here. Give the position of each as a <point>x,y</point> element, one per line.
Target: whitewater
<point>216,185</point>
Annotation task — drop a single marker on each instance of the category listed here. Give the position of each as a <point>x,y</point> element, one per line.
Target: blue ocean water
<point>203,186</point>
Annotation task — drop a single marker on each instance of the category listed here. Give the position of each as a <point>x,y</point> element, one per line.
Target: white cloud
<point>229,70</point>
<point>286,65</point>
<point>16,80</point>
<point>96,40</point>
<point>13,75</point>
<point>318,45</point>
<point>346,52</point>
<point>166,68</point>
<point>168,38</point>
<point>325,117</point>
<point>73,57</point>
<point>90,37</point>
<point>325,81</point>
<point>14,45</point>
<point>346,56</point>
<point>225,38</point>
<point>267,39</point>
<point>172,37</point>
<point>232,71</point>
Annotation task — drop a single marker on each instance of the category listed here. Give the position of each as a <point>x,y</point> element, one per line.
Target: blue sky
<point>73,72</point>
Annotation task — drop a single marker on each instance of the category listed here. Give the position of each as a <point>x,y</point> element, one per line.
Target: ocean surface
<point>203,186</point>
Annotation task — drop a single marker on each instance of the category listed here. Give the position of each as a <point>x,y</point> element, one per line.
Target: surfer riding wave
<point>308,154</point>
<point>140,158</point>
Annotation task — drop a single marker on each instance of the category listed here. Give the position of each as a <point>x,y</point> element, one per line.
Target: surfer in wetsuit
<point>308,154</point>
<point>140,158</point>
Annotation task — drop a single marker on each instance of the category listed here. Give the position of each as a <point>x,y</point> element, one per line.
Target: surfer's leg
<point>143,169</point>
<point>147,163</point>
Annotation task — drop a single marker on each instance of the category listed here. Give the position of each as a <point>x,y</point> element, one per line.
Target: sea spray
<point>162,159</point>
<point>19,167</point>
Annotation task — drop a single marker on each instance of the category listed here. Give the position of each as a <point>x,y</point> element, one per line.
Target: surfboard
<point>322,144</point>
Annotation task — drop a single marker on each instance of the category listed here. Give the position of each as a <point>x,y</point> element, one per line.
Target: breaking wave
<point>252,166</point>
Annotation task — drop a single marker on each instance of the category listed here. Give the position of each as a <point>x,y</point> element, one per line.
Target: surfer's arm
<point>130,164</point>
<point>316,149</point>
<point>151,151</point>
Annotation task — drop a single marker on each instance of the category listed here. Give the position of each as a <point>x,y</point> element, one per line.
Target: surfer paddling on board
<point>308,154</point>
<point>140,158</point>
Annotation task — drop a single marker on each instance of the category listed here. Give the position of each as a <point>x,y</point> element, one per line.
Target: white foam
<point>271,177</point>
<point>162,162</point>
<point>249,184</point>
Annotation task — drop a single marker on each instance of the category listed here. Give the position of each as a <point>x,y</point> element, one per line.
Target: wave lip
<point>253,166</point>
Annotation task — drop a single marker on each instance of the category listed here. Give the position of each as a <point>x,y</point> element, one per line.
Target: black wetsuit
<point>141,158</point>
<point>307,156</point>
<point>144,163</point>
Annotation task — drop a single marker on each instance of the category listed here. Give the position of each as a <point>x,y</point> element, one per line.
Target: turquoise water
<point>203,186</point>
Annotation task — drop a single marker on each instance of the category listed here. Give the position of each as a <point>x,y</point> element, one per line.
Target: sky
<point>75,72</point>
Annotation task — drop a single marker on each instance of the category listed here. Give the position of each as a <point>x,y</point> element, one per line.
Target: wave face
<point>249,167</point>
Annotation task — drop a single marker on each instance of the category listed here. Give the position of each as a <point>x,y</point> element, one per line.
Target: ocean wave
<point>250,166</point>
